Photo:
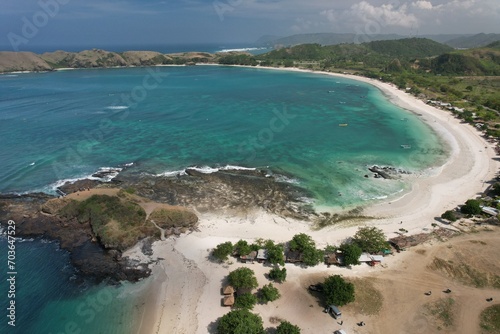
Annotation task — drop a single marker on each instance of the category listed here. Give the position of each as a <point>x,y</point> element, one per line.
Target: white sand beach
<point>188,298</point>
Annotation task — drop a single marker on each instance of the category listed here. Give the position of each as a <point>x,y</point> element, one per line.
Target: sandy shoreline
<point>188,299</point>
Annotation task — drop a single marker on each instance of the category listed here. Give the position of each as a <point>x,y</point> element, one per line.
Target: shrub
<point>243,278</point>
<point>277,274</point>
<point>449,215</point>
<point>222,251</point>
<point>471,207</point>
<point>245,301</point>
<point>287,328</point>
<point>268,293</point>
<point>240,322</point>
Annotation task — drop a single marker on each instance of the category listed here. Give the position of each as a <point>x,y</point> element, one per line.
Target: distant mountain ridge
<point>95,58</point>
<point>453,40</point>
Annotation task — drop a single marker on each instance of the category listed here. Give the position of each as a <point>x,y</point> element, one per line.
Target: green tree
<point>240,322</point>
<point>300,242</point>
<point>370,239</point>
<point>222,251</point>
<point>304,244</point>
<point>471,207</point>
<point>277,274</point>
<point>351,252</point>
<point>312,256</point>
<point>242,248</point>
<point>245,301</point>
<point>337,291</point>
<point>243,278</point>
<point>268,293</point>
<point>449,215</point>
<point>274,253</point>
<point>287,328</point>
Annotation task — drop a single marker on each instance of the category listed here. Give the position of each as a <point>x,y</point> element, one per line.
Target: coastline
<point>463,176</point>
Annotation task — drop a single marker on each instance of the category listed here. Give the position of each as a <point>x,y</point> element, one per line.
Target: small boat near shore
<point>405,146</point>
<point>343,124</point>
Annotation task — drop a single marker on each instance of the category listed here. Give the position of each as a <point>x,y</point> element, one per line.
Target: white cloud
<point>423,5</point>
<point>385,15</point>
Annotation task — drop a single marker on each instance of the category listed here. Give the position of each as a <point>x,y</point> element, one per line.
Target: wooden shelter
<point>294,256</point>
<point>228,300</point>
<point>228,290</point>
<point>249,257</point>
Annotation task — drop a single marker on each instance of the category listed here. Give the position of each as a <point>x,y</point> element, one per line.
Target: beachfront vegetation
<point>222,251</point>
<point>305,245</point>
<point>242,248</point>
<point>287,328</point>
<point>240,322</point>
<point>337,291</point>
<point>351,252</point>
<point>245,301</point>
<point>370,239</point>
<point>471,207</point>
<point>243,278</point>
<point>274,253</point>
<point>268,293</point>
<point>449,215</point>
<point>278,275</point>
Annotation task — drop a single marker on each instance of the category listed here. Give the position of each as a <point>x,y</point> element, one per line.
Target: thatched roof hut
<point>228,300</point>
<point>228,290</point>
<point>249,257</point>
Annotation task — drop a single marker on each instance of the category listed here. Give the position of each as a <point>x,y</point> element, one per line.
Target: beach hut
<point>249,257</point>
<point>294,256</point>
<point>228,290</point>
<point>333,258</point>
<point>261,255</point>
<point>228,300</point>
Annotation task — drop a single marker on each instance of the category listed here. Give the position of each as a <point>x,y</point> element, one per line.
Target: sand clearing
<point>189,299</point>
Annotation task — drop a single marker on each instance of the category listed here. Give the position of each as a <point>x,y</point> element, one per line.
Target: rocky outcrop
<point>238,190</point>
<point>22,61</point>
<point>33,216</point>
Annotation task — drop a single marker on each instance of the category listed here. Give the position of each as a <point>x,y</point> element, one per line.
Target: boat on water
<point>343,124</point>
<point>405,146</point>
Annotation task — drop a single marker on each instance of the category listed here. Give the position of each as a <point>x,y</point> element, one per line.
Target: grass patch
<point>117,222</point>
<point>490,319</point>
<point>368,300</point>
<point>465,274</point>
<point>327,219</point>
<point>443,311</point>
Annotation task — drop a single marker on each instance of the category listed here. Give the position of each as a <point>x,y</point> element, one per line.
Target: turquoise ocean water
<point>320,131</point>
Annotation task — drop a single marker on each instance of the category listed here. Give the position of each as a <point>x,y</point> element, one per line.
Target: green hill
<point>479,61</point>
<point>409,48</point>
<point>474,41</point>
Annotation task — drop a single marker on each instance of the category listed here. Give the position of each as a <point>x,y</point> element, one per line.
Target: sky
<point>25,24</point>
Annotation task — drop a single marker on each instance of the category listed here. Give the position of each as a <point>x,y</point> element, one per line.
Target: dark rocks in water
<point>73,187</point>
<point>106,173</point>
<point>87,255</point>
<point>386,172</point>
<point>221,190</point>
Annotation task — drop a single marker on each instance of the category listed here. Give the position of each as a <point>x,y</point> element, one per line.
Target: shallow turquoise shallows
<point>321,132</point>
